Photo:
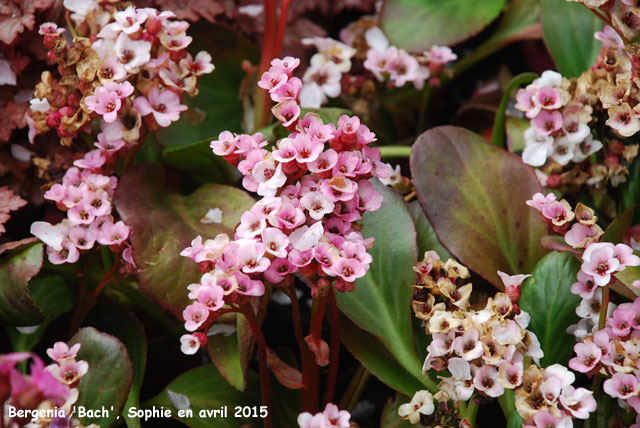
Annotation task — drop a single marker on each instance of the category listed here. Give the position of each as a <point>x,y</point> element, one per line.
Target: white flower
<point>395,176</point>
<point>50,235</point>
<point>586,148</point>
<point>305,237</point>
<point>41,105</point>
<point>421,403</point>
<point>563,151</point>
<point>537,147</point>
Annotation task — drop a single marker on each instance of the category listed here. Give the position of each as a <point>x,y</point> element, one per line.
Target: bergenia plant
<point>365,214</point>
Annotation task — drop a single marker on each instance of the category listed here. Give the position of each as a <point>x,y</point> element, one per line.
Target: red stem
<point>282,25</point>
<point>334,348</point>
<point>263,102</point>
<point>306,356</point>
<point>248,313</point>
<point>311,397</point>
<point>104,282</point>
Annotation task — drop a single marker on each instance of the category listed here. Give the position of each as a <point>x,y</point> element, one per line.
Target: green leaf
<point>629,275</point>
<point>390,417</point>
<point>416,25</point>
<point>230,353</point>
<point>568,29</point>
<point>521,21</point>
<point>199,162</point>
<point>381,302</point>
<point>164,223</point>
<point>217,107</point>
<point>427,239</point>
<point>498,135</point>
<point>618,226</point>
<point>631,189</point>
<point>547,297</point>
<point>514,420</point>
<point>17,267</point>
<point>109,378</point>
<point>207,390</point>
<point>53,297</point>
<point>474,195</point>
<point>515,128</point>
<point>129,330</point>
<point>373,354</point>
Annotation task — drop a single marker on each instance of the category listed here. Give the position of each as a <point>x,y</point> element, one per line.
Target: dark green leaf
<point>427,239</point>
<point>17,267</point>
<point>474,195</point>
<point>217,107</point>
<point>53,297</point>
<point>618,226</point>
<point>199,162</point>
<point>377,359</point>
<point>207,390</point>
<point>381,302</point>
<point>129,330</point>
<point>416,25</point>
<point>547,297</point>
<point>521,21</point>
<point>110,374</point>
<point>165,223</point>
<point>568,29</point>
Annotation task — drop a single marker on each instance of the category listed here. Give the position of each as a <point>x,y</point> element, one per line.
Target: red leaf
<point>286,375</point>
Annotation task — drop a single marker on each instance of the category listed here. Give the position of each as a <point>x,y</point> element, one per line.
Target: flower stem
<point>604,306</point>
<point>311,396</point>
<point>469,415</point>
<point>248,313</point>
<point>282,25</point>
<point>306,356</point>
<point>334,348</point>
<point>395,151</point>
<point>263,102</point>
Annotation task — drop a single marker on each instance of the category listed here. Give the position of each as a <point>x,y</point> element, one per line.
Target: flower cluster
<point>51,387</point>
<point>398,67</point>
<point>548,398</point>
<point>562,110</point>
<point>363,56</point>
<point>331,417</point>
<point>322,79</point>
<point>484,350</point>
<point>559,124</point>
<point>613,352</point>
<point>132,63</point>
<point>600,260</point>
<point>314,186</point>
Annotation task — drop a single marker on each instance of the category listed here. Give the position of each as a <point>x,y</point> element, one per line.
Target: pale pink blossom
<point>164,105</point>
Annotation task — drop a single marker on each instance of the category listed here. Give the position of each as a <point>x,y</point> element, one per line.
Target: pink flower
<point>485,379</point>
<point>307,150</point>
<point>286,152</point>
<point>275,242</point>
<point>625,256</point>
<point>92,160</point>
<point>317,205</point>
<point>587,357</point>
<point>621,385</point>
<point>198,66</point>
<point>581,235</point>
<point>559,212</point>
<point>609,38</point>
<point>336,418</point>
<point>547,122</point>
<point>544,419</point>
<point>165,106</point>
<point>349,269</point>
<point>133,54</point>
<point>272,80</point>
<point>547,98</point>
<point>225,144</point>
<point>621,321</point>
<point>61,351</point>
<point>269,177</point>
<point>251,256</point>
<point>195,315</point>
<point>251,225</point>
<point>69,371</point>
<point>211,297</point>
<point>512,284</point>
<point>324,162</point>
<point>285,65</point>
<point>578,402</point>
<point>68,253</point>
<point>104,102</point>
<point>129,21</point>
<point>287,91</point>
<point>468,346</point>
<point>599,261</point>
<point>539,201</point>
<point>113,234</point>
<point>278,269</point>
<point>286,112</point>
<point>585,287</point>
